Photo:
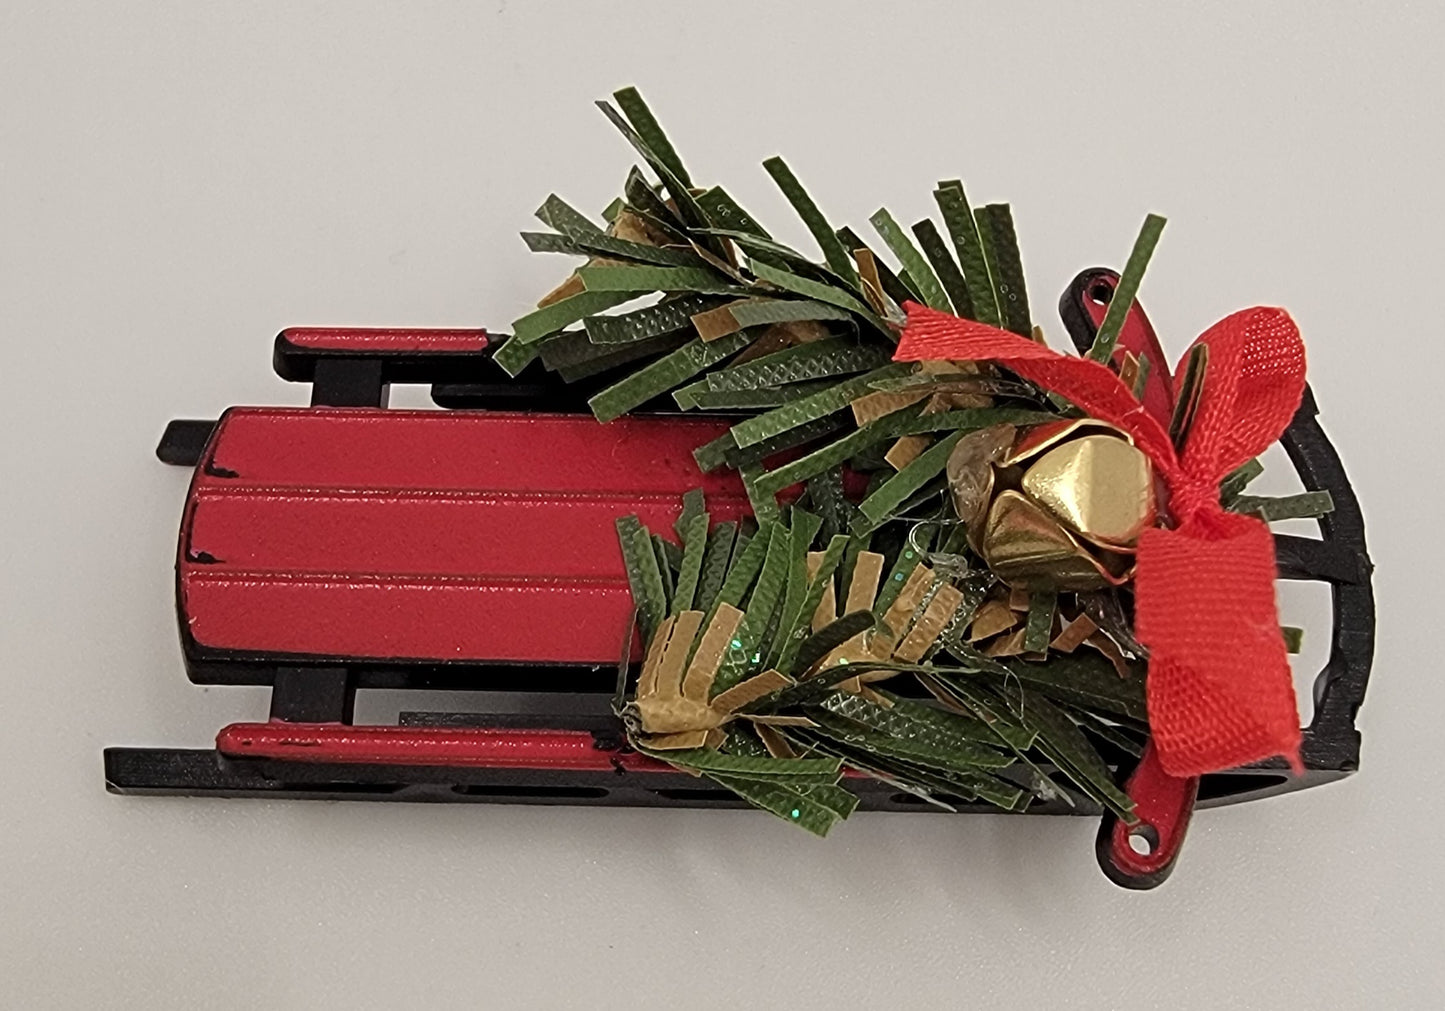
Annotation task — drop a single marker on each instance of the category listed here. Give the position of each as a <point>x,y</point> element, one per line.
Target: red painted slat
<point>465,451</point>
<point>548,621</point>
<point>485,747</point>
<point>372,339</point>
<point>435,533</point>
<point>490,748</point>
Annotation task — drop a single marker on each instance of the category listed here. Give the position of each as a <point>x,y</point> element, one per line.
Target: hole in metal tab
<point>1143,840</point>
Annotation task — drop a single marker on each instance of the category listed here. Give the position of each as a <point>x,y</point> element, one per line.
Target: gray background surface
<point>178,181</point>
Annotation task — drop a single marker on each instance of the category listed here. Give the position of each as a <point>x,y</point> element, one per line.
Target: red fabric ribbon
<point>1219,688</point>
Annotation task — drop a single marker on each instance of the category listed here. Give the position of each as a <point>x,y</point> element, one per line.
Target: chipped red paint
<point>573,750</point>
<point>369,340</point>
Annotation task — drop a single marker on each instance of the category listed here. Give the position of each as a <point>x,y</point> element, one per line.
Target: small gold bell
<point>1058,507</point>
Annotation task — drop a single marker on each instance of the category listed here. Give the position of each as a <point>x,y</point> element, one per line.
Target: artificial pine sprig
<point>730,307</point>
<point>773,684</point>
<point>768,646</point>
<point>784,651</point>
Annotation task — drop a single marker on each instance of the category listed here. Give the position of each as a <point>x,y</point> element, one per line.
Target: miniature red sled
<point>346,547</point>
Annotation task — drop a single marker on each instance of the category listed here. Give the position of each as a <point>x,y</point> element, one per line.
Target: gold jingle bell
<point>1056,507</point>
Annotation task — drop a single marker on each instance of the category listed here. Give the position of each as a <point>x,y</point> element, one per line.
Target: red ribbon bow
<point>1219,689</point>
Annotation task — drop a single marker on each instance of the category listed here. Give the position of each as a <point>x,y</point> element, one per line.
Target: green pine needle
<point>1128,286</point>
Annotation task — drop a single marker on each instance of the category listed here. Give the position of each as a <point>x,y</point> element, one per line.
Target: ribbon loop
<point>1220,693</point>
<point>1252,388</point>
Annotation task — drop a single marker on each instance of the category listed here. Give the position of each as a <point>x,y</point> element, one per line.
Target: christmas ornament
<point>843,533</point>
